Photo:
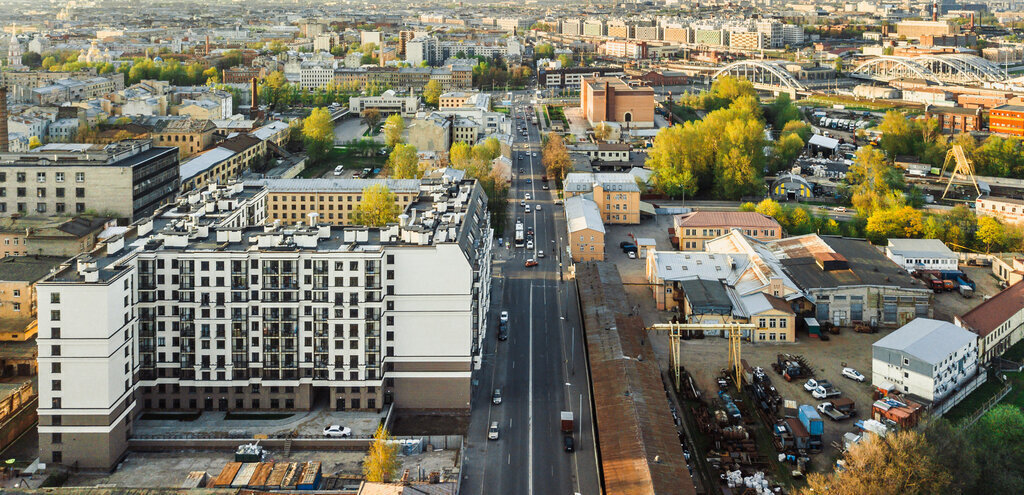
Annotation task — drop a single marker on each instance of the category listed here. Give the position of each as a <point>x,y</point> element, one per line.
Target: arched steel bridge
<point>942,69</point>
<point>764,74</point>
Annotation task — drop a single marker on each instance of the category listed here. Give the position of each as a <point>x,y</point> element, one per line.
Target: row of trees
<point>985,458</point>
<point>478,163</point>
<point>277,92</point>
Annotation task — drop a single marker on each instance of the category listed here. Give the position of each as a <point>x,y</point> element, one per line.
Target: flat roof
<point>920,248</point>
<point>866,265</point>
<point>28,268</point>
<point>929,340</point>
<point>336,185</point>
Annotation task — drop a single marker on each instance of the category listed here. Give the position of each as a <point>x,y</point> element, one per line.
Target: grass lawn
<point>341,155</point>
<point>971,404</point>
<point>1015,352</point>
<point>556,113</point>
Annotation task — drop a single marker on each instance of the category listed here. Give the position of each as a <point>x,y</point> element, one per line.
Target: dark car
<point>569,444</point>
<point>625,244</point>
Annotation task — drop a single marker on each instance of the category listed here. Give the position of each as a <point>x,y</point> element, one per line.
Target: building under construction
<point>638,444</point>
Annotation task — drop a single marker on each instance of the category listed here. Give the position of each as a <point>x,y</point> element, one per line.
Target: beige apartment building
<point>616,194</point>
<point>696,228</point>
<point>335,201</point>
<point>586,230</point>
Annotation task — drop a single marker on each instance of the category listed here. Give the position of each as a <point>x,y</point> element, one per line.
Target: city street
<point>541,368</point>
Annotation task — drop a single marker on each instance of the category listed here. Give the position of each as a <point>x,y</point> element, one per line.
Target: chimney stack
<point>255,99</point>
<point>4,147</point>
<point>935,11</point>
<point>970,26</point>
<point>207,45</point>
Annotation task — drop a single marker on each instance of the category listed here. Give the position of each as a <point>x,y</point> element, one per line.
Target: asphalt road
<point>541,368</point>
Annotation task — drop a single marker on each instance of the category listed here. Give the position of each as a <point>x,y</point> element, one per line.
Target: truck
<point>520,236</point>
<point>567,423</point>
<point>830,410</point>
<point>823,392</point>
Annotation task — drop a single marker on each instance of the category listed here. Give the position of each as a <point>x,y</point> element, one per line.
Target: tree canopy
<point>318,134</point>
<point>555,157</point>
<point>381,463</point>
<point>394,127</point>
<point>403,163</point>
<point>432,92</point>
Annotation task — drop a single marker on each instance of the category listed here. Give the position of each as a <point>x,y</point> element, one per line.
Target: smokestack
<point>207,45</point>
<point>970,26</point>
<point>255,98</point>
<point>935,11</point>
<point>4,147</point>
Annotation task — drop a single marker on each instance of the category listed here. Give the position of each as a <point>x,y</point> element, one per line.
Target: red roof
<point>987,316</point>
<point>727,219</point>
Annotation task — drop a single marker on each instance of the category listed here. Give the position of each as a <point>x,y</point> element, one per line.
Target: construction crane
<point>963,167</point>
<point>734,331</point>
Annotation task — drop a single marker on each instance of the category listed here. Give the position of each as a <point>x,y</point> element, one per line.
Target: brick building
<point>610,99</point>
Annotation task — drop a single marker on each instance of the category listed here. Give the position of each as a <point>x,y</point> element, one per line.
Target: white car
<point>811,385</point>
<point>839,209</point>
<point>528,197</point>
<point>492,432</point>
<point>540,254</point>
<point>337,431</point>
<point>853,374</point>
<point>538,207</point>
<point>504,317</point>
<point>535,154</point>
<point>339,170</point>
<point>529,244</point>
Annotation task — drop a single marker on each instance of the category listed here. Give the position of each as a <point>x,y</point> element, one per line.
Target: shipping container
<point>310,478</point>
<point>244,475</point>
<point>291,478</point>
<point>227,475</point>
<point>259,478</point>
<point>196,479</point>
<point>811,420</point>
<point>277,475</point>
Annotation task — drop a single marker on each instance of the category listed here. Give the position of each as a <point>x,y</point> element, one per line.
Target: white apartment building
<point>927,358</point>
<point>773,31</point>
<point>315,76</point>
<point>388,103</point>
<point>792,34</point>
<point>202,308</point>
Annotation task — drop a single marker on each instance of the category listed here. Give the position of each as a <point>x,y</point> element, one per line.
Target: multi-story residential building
<point>677,33</point>
<point>1008,210</point>
<point>513,24</point>
<point>916,29</point>
<point>189,135</point>
<point>21,83</point>
<point>228,160</point>
<point>242,74</point>
<point>128,179</point>
<point>646,31</point>
<point>71,90</point>
<point>335,201</point>
<point>571,26</point>
<point>998,322</point>
<point>696,228</point>
<point>618,29</point>
<point>18,277</point>
<point>572,77</point>
<point>585,228</point>
<point>625,49</point>
<point>276,318</point>
<point>388,103</point>
<point>711,37</point>
<point>616,194</point>
<point>773,32</point>
<point>315,76</point>
<point>926,358</point>
<point>956,119</point>
<point>748,40</point>
<point>792,34</point>
<point>1007,119</point>
<point>594,27</point>
<point>43,236</point>
<point>921,254</point>
<point>324,42</point>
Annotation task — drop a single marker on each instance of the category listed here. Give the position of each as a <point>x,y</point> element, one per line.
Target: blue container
<point>811,420</point>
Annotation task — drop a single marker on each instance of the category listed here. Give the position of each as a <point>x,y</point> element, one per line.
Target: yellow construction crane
<point>734,331</point>
<point>963,166</point>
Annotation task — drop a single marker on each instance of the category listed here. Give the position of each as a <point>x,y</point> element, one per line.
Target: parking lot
<point>705,358</point>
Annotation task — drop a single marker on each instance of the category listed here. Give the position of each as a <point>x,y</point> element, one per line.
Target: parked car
<point>496,396</point>
<point>839,209</point>
<point>531,262</point>
<point>853,374</point>
<point>825,392</point>
<point>492,432</point>
<point>339,170</point>
<point>337,431</point>
<point>813,384</point>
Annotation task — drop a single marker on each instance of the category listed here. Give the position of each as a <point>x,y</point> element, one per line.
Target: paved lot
<point>349,129</point>
<point>705,358</point>
<point>214,424</point>
<point>169,469</point>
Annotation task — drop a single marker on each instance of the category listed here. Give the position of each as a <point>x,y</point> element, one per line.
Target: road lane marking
<point>530,411</point>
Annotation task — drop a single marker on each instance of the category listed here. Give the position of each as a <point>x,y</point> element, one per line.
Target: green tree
<point>799,128</point>
<point>782,111</point>
<point>394,127</point>
<point>460,154</point>
<point>998,438</point>
<point>901,462</point>
<point>318,134</point>
<point>403,163</point>
<point>371,117</point>
<point>544,50</point>
<point>381,464</point>
<point>990,233</point>
<point>872,181</point>
<point>31,59</point>
<point>556,158</point>
<point>432,92</point>
<point>894,223</point>
<point>786,150</point>
<point>48,62</point>
<point>566,60</point>
<point>487,150</point>
<point>838,65</point>
<point>896,134</point>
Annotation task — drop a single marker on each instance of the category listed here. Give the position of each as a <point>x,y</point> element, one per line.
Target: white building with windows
<point>921,254</point>
<point>206,307</point>
<point>927,358</point>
